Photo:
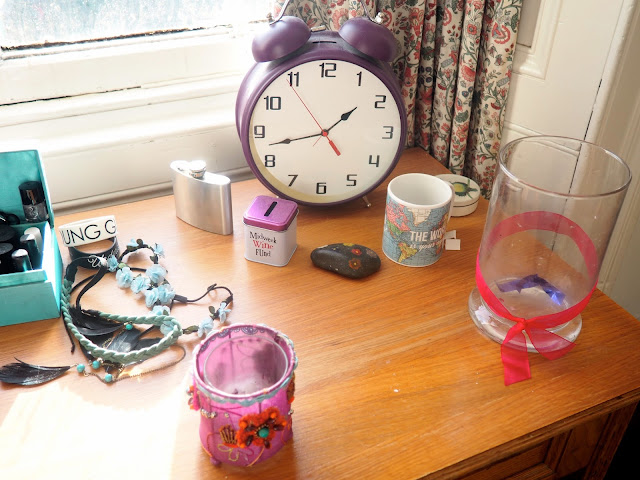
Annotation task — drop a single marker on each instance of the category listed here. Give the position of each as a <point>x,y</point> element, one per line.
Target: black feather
<point>90,324</point>
<point>87,355</point>
<point>126,340</point>
<point>132,339</point>
<point>21,373</point>
<point>129,340</point>
<point>147,342</point>
<point>100,340</point>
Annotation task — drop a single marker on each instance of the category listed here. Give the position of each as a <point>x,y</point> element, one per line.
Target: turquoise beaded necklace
<point>76,319</point>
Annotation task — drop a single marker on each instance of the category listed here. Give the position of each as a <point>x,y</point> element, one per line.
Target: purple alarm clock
<point>320,115</point>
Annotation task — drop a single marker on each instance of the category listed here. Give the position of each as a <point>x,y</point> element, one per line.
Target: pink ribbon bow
<point>513,350</point>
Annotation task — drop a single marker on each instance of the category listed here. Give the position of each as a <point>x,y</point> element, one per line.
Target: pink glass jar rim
<point>254,397</point>
<point>506,150</point>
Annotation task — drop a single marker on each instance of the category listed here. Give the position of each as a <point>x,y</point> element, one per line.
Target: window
<point>40,22</point>
<point>123,89</point>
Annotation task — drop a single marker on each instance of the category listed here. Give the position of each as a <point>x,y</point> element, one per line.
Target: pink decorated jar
<point>243,387</point>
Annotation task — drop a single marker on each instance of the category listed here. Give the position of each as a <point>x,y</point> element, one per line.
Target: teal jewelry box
<point>35,294</point>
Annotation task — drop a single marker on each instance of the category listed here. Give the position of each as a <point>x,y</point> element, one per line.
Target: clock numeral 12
<point>327,70</point>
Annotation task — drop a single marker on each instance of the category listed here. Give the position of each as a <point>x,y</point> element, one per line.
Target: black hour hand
<point>343,118</point>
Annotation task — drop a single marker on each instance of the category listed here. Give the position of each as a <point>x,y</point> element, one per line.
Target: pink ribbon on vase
<point>513,350</point>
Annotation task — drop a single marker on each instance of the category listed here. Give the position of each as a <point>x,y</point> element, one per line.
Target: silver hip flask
<point>203,199</point>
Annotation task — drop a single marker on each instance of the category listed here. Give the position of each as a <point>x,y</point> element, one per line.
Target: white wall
<point>616,126</point>
<point>576,74</point>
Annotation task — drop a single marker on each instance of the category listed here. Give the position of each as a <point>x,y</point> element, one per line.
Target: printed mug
<point>417,211</point>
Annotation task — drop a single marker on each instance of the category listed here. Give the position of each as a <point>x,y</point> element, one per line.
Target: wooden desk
<point>394,379</point>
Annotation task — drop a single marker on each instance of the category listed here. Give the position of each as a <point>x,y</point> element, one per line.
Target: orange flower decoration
<point>228,436</point>
<point>260,428</point>
<point>193,401</point>
<point>291,389</point>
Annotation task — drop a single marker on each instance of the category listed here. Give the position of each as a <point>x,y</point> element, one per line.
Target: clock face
<point>325,131</point>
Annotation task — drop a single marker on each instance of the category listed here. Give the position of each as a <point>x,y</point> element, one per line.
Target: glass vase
<point>554,205</point>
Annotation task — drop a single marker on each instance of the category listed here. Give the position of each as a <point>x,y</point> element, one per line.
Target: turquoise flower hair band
<point>113,341</point>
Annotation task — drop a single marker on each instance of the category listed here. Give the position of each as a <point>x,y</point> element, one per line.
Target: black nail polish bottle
<point>33,202</point>
<point>6,264</point>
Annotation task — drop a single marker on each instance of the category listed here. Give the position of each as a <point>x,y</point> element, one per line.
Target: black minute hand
<point>287,141</point>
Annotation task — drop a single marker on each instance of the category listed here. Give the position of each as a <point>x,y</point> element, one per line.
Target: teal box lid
<point>32,295</point>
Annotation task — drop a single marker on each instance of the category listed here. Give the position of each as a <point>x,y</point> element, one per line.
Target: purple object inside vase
<point>533,281</point>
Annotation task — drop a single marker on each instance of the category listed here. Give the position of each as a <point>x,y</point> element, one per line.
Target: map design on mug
<point>414,236</point>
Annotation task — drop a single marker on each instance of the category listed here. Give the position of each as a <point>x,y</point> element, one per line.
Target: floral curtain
<point>454,64</point>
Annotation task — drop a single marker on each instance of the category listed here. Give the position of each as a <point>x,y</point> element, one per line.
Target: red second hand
<point>333,145</point>
<point>324,132</point>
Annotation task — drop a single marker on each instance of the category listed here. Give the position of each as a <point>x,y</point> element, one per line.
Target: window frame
<point>127,108</point>
<point>114,65</point>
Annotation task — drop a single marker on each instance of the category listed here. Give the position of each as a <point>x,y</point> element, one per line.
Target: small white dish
<point>467,194</point>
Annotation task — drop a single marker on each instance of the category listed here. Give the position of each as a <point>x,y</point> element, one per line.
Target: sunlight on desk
<point>394,379</point>
<point>110,437</point>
